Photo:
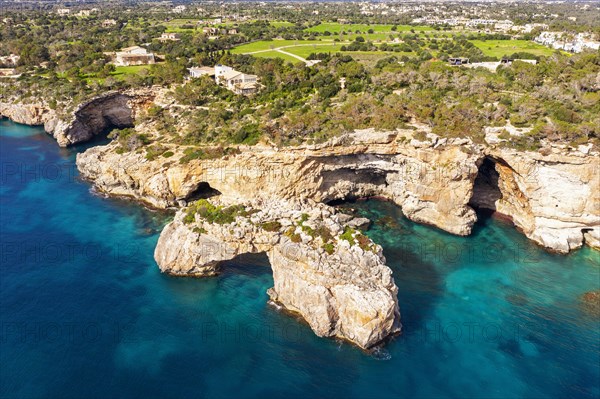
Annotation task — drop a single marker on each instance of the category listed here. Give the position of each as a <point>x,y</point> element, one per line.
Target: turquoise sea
<point>85,312</point>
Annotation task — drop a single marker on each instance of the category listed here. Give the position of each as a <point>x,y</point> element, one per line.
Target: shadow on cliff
<point>406,249</point>
<point>251,265</point>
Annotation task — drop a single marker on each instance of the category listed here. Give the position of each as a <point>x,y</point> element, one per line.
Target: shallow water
<point>85,312</point>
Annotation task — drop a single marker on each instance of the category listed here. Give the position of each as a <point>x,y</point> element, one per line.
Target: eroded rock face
<point>344,290</point>
<point>553,198</point>
<point>432,185</point>
<point>95,116</point>
<point>27,114</point>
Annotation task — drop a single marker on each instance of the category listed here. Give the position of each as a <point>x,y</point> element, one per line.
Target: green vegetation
<point>279,24</point>
<point>394,74</point>
<point>336,27</point>
<point>305,51</point>
<point>356,237</point>
<point>271,226</point>
<point>329,248</point>
<point>204,153</point>
<point>501,48</point>
<point>294,237</point>
<point>265,45</point>
<point>213,214</point>
<point>277,54</point>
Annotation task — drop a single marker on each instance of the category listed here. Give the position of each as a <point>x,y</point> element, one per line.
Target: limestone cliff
<point>553,198</point>
<point>93,117</point>
<point>432,184</point>
<point>338,284</point>
<point>27,114</point>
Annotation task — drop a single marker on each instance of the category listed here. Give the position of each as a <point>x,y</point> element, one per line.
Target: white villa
<point>108,22</point>
<point>169,36</point>
<point>238,82</point>
<point>10,60</point>
<point>134,55</point>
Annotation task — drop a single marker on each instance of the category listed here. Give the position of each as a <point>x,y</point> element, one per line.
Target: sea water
<point>85,312</point>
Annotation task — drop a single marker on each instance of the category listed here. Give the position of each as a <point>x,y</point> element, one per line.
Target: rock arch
<point>96,116</point>
<point>347,292</point>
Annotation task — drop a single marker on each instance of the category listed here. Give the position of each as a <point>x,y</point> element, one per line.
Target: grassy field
<point>499,48</point>
<point>336,27</point>
<point>121,71</point>
<point>370,58</point>
<point>277,54</point>
<point>278,24</point>
<point>271,44</point>
<point>305,51</point>
<point>175,25</point>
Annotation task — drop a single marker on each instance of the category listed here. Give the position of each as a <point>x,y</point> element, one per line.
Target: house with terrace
<point>238,82</point>
<point>134,55</point>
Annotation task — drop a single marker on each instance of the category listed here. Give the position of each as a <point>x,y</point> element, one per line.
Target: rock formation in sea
<point>337,281</point>
<point>325,271</point>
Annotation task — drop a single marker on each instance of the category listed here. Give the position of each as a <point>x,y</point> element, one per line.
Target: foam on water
<point>85,311</point>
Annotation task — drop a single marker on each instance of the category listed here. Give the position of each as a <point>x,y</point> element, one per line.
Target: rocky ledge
<point>93,117</point>
<point>330,274</point>
<point>552,197</point>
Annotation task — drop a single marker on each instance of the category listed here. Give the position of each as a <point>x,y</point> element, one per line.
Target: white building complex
<point>238,82</point>
<point>567,41</point>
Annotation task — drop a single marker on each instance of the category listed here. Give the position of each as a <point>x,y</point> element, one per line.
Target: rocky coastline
<point>338,281</point>
<point>326,271</point>
<point>92,117</point>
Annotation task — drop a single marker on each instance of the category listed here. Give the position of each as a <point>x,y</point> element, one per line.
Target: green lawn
<point>306,50</point>
<point>499,48</point>
<point>370,58</point>
<point>121,71</point>
<point>279,24</point>
<point>271,44</point>
<point>277,54</point>
<point>174,25</point>
<point>373,37</point>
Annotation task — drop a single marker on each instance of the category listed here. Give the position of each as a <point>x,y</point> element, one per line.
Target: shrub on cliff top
<point>329,248</point>
<point>207,153</point>
<point>291,233</point>
<point>356,237</point>
<point>271,226</point>
<point>213,214</point>
<point>348,235</point>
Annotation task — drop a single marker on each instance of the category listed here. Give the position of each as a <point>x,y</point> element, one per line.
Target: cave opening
<point>95,120</point>
<point>202,191</point>
<point>486,191</point>
<point>251,265</point>
<point>348,184</point>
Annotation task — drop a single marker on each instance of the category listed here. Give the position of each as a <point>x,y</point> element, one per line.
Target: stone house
<point>134,55</point>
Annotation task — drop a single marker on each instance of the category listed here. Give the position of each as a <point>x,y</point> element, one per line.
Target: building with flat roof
<point>197,72</point>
